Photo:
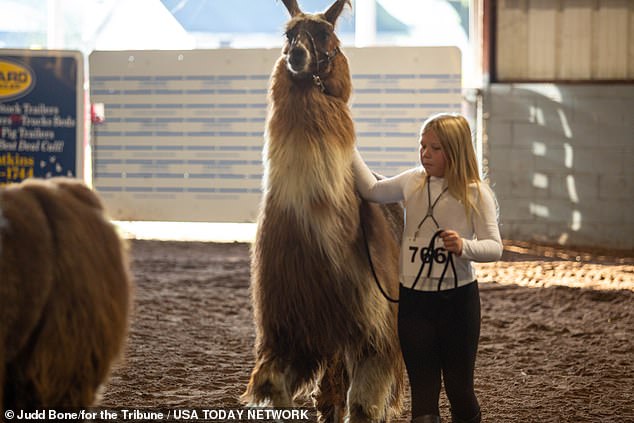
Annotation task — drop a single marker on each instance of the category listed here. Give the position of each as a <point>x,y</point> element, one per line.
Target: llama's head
<point>311,44</point>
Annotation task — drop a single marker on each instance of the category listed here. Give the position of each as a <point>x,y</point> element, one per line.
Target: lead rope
<point>433,255</point>
<point>427,259</point>
<point>367,251</point>
<point>430,254</point>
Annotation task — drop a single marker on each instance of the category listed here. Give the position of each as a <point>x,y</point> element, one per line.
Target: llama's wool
<point>65,294</point>
<point>319,317</point>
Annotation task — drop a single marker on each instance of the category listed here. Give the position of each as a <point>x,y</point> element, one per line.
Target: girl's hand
<point>452,241</point>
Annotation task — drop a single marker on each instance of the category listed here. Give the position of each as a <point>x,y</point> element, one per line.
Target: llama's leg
<point>330,399</point>
<point>370,389</point>
<point>268,385</point>
<point>274,382</point>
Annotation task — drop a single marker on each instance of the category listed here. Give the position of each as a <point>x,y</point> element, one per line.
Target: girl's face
<point>432,155</point>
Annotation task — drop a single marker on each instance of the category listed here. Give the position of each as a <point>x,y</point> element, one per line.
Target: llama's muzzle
<point>298,57</point>
<point>297,60</point>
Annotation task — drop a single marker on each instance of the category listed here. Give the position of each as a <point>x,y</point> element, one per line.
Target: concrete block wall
<point>561,162</point>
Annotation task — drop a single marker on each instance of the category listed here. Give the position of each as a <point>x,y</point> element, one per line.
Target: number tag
<point>420,260</point>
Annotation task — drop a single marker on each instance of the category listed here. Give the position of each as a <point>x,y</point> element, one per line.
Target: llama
<point>65,293</point>
<point>321,322</point>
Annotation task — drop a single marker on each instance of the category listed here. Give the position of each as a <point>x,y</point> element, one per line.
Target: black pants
<point>439,334</point>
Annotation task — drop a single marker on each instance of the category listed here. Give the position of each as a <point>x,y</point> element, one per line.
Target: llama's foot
<point>329,411</point>
<point>359,414</point>
<point>333,415</point>
<point>268,387</point>
<point>267,394</point>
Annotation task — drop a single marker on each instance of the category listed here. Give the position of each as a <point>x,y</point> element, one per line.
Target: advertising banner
<point>41,114</point>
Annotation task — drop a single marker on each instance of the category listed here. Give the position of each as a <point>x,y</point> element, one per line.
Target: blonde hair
<point>454,134</point>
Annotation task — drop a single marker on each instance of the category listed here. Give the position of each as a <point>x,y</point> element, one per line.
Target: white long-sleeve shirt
<point>480,234</point>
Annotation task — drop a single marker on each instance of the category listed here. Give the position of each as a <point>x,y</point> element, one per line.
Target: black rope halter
<point>329,57</point>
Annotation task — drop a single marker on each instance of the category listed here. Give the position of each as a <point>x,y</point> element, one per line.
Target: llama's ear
<point>332,14</point>
<point>292,7</point>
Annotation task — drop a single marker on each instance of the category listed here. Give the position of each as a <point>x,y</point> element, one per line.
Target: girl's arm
<point>488,244</point>
<point>388,190</point>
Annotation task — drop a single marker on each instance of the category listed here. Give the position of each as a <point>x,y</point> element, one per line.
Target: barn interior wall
<point>560,160</point>
<point>573,40</point>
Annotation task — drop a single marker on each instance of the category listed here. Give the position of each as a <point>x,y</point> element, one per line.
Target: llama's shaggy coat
<point>316,308</point>
<point>65,293</point>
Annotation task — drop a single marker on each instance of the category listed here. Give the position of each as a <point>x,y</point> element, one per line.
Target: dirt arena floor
<point>557,340</point>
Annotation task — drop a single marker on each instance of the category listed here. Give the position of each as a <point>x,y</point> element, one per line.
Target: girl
<point>451,220</point>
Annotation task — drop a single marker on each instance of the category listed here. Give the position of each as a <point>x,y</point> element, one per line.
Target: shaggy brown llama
<point>65,293</point>
<point>321,321</point>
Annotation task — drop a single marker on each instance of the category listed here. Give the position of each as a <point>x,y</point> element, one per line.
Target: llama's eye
<point>290,34</point>
<point>323,35</point>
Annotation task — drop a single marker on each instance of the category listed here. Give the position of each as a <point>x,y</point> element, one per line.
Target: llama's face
<point>310,45</point>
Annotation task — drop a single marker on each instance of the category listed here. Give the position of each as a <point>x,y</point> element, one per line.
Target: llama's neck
<point>308,156</point>
<point>304,170</point>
